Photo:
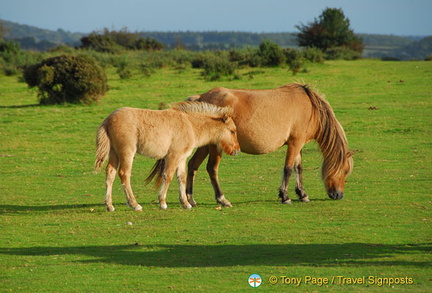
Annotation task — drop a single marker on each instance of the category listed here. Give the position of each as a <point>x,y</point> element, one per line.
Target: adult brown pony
<point>266,120</point>
<point>169,136</point>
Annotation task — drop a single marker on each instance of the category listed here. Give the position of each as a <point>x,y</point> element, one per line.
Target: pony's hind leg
<point>193,165</point>
<point>298,171</point>
<point>111,171</point>
<point>125,171</point>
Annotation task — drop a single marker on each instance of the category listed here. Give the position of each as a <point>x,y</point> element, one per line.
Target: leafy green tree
<point>331,30</point>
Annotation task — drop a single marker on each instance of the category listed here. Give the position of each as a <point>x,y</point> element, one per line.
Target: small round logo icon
<point>255,280</point>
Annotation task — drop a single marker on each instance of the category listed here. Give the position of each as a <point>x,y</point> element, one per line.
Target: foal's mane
<point>202,108</point>
<point>330,135</point>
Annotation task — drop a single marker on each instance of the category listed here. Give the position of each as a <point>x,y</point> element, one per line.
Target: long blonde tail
<point>103,146</point>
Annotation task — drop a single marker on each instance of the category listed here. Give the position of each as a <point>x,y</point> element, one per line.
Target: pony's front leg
<point>212,169</point>
<point>283,189</point>
<point>181,178</point>
<point>193,165</point>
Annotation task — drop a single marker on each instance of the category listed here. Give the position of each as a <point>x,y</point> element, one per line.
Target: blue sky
<point>397,17</point>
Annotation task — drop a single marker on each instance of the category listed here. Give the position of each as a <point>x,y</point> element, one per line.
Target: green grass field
<point>57,237</point>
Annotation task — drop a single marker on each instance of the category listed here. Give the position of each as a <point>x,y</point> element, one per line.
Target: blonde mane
<point>202,108</point>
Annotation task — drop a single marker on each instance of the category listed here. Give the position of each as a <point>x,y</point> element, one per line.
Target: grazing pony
<point>266,120</point>
<point>169,136</point>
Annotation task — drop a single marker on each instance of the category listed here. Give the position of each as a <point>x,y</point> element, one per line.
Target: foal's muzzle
<point>235,152</point>
<point>336,194</point>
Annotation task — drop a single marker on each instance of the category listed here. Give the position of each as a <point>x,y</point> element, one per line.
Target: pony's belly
<point>259,145</point>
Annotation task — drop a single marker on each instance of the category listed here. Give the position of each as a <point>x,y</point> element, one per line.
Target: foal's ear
<point>350,154</point>
<point>225,118</point>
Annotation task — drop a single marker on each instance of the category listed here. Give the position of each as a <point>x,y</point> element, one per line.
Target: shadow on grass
<point>19,106</point>
<point>12,209</point>
<point>173,256</point>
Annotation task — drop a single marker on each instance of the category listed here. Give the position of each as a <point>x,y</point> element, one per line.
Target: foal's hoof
<point>110,208</point>
<point>288,201</point>
<point>187,206</point>
<point>163,206</point>
<point>138,208</point>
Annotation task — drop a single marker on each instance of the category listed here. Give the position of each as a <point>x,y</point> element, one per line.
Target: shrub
<point>245,57</point>
<point>313,55</point>
<point>271,54</point>
<point>342,53</point>
<point>67,79</point>
<point>13,59</point>
<point>217,65</point>
<point>294,59</point>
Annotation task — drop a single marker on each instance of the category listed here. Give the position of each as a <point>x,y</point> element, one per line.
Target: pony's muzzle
<point>336,194</point>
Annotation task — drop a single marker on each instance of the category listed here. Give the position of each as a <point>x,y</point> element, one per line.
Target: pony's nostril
<point>336,195</point>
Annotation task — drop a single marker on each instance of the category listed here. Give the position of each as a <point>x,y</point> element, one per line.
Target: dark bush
<point>67,79</point>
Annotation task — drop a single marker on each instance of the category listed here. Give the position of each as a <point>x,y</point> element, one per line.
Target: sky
<point>396,17</point>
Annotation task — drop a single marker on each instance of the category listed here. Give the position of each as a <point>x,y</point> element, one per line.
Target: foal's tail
<point>103,146</point>
<point>157,170</point>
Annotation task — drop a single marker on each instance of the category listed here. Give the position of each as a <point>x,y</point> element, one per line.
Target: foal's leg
<point>125,171</point>
<point>111,170</point>
<point>298,171</point>
<point>293,151</point>
<point>193,165</point>
<point>181,178</point>
<point>167,177</point>
<point>212,169</point>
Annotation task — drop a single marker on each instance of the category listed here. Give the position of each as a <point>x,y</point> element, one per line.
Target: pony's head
<point>227,141</point>
<point>334,175</point>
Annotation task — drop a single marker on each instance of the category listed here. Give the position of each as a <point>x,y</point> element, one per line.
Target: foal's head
<point>334,175</point>
<point>227,141</point>
<point>223,131</point>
